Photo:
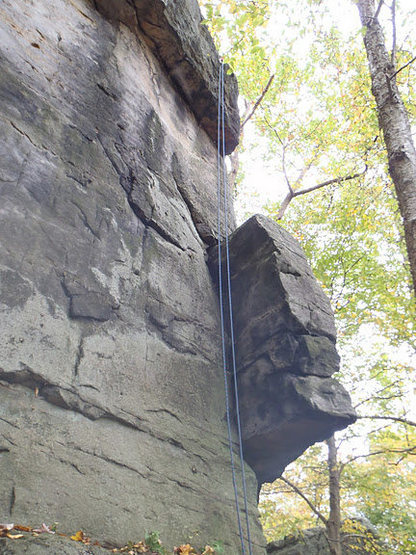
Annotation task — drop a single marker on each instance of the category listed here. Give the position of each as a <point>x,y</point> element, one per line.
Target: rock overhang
<point>285,343</point>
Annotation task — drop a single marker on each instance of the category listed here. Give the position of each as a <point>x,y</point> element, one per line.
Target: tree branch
<point>258,102</point>
<point>403,67</point>
<point>329,182</point>
<point>310,504</point>
<point>410,450</point>
<point>283,155</point>
<point>378,9</point>
<point>284,170</point>
<point>292,194</point>
<point>284,205</point>
<point>393,418</point>
<point>307,167</point>
<point>378,429</point>
<point>376,395</point>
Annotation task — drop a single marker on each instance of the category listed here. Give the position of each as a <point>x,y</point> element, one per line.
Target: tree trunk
<point>394,123</point>
<point>333,526</point>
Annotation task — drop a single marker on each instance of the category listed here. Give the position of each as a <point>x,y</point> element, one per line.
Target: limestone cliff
<point>111,391</point>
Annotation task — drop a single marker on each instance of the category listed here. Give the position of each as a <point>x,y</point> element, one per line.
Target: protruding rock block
<point>285,345</point>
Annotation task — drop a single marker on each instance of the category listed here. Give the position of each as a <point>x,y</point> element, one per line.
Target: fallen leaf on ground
<point>44,529</point>
<point>14,536</point>
<point>5,528</point>
<point>78,536</point>
<point>23,528</point>
<point>184,549</point>
<point>140,547</point>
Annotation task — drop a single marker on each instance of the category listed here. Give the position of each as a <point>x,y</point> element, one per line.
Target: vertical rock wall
<point>111,393</point>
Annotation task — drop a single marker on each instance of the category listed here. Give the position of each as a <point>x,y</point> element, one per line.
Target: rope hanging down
<point>222,200</point>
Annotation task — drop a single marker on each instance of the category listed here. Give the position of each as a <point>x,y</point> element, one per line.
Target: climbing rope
<point>222,201</point>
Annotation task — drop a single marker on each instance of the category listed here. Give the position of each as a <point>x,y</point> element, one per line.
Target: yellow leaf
<point>23,528</point>
<point>14,536</point>
<point>78,537</point>
<point>5,529</point>
<point>185,549</point>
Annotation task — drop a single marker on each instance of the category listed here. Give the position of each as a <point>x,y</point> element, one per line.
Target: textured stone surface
<point>174,33</point>
<point>111,392</point>
<point>285,345</point>
<point>47,543</point>
<point>310,542</point>
<point>361,539</point>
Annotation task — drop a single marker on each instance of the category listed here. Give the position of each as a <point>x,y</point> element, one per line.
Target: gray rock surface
<point>47,543</point>
<point>309,542</point>
<point>285,346</point>
<point>360,539</point>
<point>174,33</point>
<point>111,391</point>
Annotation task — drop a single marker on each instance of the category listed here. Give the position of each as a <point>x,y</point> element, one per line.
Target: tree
<point>331,121</point>
<point>393,119</point>
<point>317,131</point>
<point>369,470</point>
<point>332,523</point>
<point>376,484</point>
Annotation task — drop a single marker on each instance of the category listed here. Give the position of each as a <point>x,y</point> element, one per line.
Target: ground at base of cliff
<point>16,539</point>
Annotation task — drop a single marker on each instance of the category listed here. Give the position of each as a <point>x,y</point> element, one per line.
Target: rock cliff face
<point>111,391</point>
<point>111,412</point>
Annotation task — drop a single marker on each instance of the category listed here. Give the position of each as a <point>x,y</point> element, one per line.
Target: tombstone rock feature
<point>285,346</point>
